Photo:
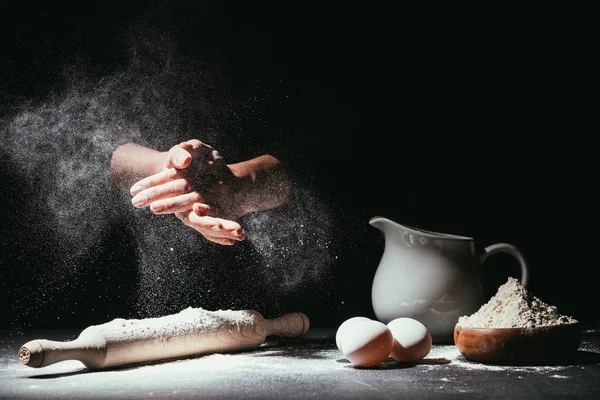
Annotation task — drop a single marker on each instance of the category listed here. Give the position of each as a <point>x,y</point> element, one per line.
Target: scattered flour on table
<point>590,347</point>
<point>514,307</point>
<point>255,362</point>
<point>189,320</point>
<point>453,358</point>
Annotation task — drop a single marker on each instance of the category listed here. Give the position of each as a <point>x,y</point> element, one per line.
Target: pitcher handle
<point>513,251</point>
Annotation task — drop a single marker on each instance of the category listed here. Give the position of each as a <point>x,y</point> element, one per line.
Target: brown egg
<point>412,340</point>
<point>347,328</point>
<point>367,344</point>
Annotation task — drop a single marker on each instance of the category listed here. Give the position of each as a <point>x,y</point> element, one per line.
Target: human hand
<point>218,230</point>
<point>192,176</point>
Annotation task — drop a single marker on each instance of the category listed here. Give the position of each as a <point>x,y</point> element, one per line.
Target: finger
<point>196,144</point>
<point>217,156</point>
<point>154,180</point>
<point>201,209</point>
<point>152,194</point>
<point>207,228</point>
<point>232,227</point>
<point>229,229</point>
<point>223,241</point>
<point>216,227</point>
<point>202,223</point>
<point>208,234</point>
<point>170,205</point>
<point>178,157</point>
<point>200,150</point>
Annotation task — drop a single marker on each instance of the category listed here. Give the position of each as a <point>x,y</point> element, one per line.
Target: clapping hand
<point>196,185</point>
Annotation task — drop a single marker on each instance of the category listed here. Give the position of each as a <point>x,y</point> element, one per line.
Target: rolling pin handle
<point>31,354</point>
<point>291,325</point>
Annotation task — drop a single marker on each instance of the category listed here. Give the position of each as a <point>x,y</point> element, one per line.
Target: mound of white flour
<point>514,307</point>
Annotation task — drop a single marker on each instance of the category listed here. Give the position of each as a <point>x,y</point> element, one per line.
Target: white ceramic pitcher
<point>431,277</point>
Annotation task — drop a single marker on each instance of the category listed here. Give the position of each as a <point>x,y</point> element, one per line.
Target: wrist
<point>238,190</point>
<point>131,162</point>
<point>259,184</point>
<point>156,161</point>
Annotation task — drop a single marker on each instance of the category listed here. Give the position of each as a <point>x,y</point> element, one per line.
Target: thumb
<point>178,158</point>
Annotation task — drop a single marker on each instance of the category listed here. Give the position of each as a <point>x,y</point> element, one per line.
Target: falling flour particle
<point>189,320</point>
<point>514,307</point>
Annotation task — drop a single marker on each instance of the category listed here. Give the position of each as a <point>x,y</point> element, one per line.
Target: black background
<point>472,122</point>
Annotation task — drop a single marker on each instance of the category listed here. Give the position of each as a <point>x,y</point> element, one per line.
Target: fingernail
<point>199,210</point>
<point>138,201</point>
<point>136,189</point>
<point>181,159</point>
<point>237,232</point>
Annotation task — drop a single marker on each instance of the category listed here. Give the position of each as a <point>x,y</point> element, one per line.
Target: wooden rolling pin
<point>192,332</point>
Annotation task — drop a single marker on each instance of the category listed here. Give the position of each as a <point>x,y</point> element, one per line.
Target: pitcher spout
<point>381,222</point>
<point>384,224</point>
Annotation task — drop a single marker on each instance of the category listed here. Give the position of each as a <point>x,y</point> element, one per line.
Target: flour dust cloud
<point>61,141</point>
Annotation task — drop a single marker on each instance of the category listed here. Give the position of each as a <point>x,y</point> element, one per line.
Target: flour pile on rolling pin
<point>191,332</point>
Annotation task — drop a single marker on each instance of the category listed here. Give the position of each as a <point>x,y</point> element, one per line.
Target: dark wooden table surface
<point>309,368</point>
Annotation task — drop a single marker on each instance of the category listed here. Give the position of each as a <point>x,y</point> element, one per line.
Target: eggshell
<point>412,340</point>
<point>369,345</point>
<point>347,327</point>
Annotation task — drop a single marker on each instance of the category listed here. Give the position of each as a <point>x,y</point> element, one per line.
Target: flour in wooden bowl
<point>513,306</point>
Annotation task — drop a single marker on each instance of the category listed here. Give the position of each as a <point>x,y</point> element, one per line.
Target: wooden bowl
<point>541,345</point>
